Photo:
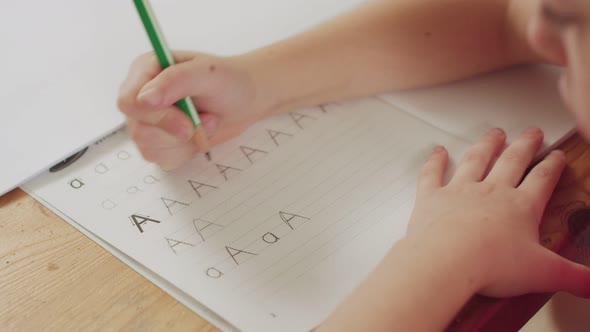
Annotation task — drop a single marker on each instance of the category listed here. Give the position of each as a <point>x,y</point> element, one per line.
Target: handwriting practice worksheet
<point>275,231</point>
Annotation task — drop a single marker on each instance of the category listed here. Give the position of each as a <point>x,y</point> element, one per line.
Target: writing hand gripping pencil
<point>223,93</point>
<point>154,96</point>
<point>166,59</point>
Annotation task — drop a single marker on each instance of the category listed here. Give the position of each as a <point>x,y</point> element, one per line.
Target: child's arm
<point>419,286</point>
<point>384,45</point>
<point>387,45</point>
<point>477,234</point>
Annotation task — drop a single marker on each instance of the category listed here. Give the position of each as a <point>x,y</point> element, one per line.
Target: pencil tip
<point>208,155</point>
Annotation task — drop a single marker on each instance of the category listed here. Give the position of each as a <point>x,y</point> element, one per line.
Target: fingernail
<point>210,124</point>
<point>185,131</point>
<point>150,97</point>
<point>497,132</point>
<point>439,149</point>
<point>533,131</point>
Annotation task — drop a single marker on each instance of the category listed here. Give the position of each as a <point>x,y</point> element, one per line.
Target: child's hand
<point>224,94</point>
<point>489,211</point>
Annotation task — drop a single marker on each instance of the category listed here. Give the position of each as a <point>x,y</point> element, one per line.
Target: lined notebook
<point>290,216</point>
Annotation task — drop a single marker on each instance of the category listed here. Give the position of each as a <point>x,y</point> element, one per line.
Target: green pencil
<point>166,60</point>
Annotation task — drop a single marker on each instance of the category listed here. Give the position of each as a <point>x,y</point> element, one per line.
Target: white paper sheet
<point>513,99</point>
<point>290,216</point>
<point>63,62</point>
<point>278,229</point>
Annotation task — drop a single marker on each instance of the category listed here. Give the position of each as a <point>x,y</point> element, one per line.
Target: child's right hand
<point>224,94</point>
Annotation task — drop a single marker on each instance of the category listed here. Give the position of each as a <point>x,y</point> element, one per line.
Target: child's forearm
<point>419,286</point>
<point>388,45</point>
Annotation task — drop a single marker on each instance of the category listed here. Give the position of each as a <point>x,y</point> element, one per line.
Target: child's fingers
<point>172,120</point>
<point>514,161</point>
<point>554,273</point>
<point>158,146</point>
<point>541,181</point>
<point>142,70</point>
<point>176,123</point>
<point>148,136</point>
<point>433,171</point>
<point>177,82</point>
<point>478,158</point>
<point>170,158</point>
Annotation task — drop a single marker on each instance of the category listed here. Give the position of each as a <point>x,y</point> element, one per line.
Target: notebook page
<point>513,99</point>
<point>277,230</point>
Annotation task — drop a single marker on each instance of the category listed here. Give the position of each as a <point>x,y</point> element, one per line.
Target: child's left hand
<point>489,211</point>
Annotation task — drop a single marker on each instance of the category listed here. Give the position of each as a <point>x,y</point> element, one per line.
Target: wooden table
<point>53,278</point>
